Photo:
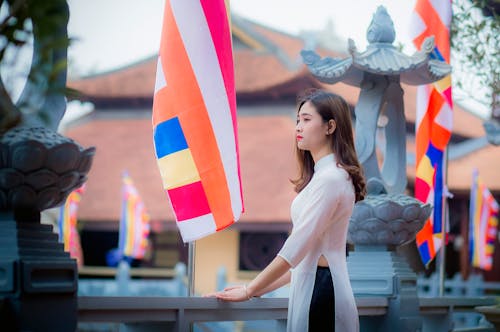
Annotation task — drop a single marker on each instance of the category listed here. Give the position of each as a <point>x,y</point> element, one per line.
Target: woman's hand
<point>234,294</point>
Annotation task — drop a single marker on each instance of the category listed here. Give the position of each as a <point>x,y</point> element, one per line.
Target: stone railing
<point>178,313</point>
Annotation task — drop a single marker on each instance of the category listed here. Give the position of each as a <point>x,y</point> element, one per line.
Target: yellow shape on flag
<point>443,84</point>
<point>425,171</point>
<point>178,169</point>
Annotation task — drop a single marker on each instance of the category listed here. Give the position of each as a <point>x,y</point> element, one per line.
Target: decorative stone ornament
<point>379,71</point>
<point>387,220</point>
<point>39,168</point>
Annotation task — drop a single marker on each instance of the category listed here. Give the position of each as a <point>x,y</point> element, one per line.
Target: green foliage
<point>44,21</point>
<point>475,40</point>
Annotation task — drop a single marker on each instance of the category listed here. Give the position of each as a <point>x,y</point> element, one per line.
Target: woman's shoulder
<point>332,176</point>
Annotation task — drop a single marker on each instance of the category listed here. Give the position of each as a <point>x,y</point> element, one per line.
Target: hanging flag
<point>68,233</point>
<point>483,224</point>
<point>433,123</point>
<point>134,222</point>
<point>194,117</point>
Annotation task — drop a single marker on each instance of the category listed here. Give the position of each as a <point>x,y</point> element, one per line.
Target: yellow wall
<point>211,253</point>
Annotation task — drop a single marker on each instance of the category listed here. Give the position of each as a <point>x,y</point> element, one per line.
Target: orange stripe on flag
<point>435,27</point>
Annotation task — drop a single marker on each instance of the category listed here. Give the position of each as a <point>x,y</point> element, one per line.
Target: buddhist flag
<point>134,221</point>
<point>194,117</point>
<point>433,123</point>
<point>68,233</point>
<point>483,224</point>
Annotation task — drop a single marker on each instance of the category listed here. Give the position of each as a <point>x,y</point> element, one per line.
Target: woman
<point>313,258</point>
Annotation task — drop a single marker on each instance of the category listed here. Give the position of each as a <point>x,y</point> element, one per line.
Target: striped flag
<point>433,123</point>
<point>194,117</point>
<point>483,224</point>
<point>68,233</point>
<point>134,221</point>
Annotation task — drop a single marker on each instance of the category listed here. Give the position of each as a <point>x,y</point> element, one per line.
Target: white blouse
<point>320,216</point>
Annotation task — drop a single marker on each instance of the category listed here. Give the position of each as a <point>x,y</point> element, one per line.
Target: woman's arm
<point>272,277</point>
<point>282,281</point>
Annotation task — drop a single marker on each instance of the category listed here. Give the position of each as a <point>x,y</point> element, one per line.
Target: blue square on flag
<point>169,138</point>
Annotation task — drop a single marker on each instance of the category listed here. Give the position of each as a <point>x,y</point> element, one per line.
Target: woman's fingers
<point>233,294</point>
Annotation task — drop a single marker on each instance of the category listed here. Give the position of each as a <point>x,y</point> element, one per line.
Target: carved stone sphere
<point>387,219</point>
<point>39,168</point>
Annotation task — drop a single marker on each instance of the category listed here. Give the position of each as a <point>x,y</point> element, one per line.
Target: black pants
<point>322,308</point>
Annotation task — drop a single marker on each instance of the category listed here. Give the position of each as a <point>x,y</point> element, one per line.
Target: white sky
<point>114,33</point>
<point>109,34</point>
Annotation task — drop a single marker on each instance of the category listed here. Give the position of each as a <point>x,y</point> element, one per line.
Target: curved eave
<point>382,60</point>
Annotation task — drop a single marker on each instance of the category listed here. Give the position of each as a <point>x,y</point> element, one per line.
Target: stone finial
<point>381,29</point>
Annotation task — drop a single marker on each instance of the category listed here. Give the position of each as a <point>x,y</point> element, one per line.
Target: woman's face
<point>311,131</point>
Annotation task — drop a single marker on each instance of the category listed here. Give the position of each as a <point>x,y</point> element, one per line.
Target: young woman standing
<point>313,257</point>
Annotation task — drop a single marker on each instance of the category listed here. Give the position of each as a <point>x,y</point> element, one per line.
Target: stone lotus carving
<point>39,168</point>
<point>387,219</point>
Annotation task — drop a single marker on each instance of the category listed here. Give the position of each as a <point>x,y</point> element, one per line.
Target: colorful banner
<point>68,232</point>
<point>194,117</point>
<point>483,224</point>
<point>433,124</point>
<point>134,222</point>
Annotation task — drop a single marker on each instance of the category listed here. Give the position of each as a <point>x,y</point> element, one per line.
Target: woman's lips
<point>299,138</point>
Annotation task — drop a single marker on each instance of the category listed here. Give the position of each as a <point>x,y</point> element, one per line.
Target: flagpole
<point>191,250</point>
<point>444,223</point>
<point>442,254</point>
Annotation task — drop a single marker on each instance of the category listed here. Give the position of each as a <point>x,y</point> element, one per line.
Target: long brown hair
<point>331,106</point>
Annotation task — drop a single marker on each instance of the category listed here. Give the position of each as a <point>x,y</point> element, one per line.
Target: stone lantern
<point>387,218</point>
<point>38,170</point>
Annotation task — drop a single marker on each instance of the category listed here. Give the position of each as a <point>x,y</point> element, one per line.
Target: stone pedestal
<point>379,271</point>
<point>38,279</point>
<point>380,224</point>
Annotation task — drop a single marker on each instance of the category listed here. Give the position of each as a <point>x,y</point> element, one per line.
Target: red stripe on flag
<point>422,189</point>
<point>218,21</point>
<point>189,201</point>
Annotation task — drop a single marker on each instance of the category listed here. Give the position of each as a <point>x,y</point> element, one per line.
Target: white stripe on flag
<point>161,81</point>
<point>445,117</point>
<point>421,104</point>
<point>417,26</point>
<point>443,8</point>
<point>196,228</point>
<point>203,57</point>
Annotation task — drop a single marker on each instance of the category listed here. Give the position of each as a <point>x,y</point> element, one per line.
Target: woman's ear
<point>332,125</point>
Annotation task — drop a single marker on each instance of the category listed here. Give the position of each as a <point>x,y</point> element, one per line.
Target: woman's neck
<point>317,155</point>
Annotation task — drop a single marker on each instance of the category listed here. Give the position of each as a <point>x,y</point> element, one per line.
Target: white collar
<point>324,161</point>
